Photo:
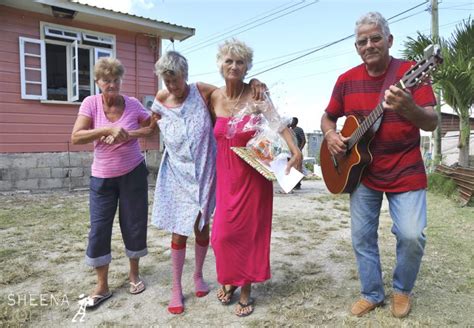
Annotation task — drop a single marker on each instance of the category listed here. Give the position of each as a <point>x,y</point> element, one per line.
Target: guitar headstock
<point>423,68</point>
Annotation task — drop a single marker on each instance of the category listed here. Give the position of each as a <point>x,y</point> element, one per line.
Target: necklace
<point>234,107</point>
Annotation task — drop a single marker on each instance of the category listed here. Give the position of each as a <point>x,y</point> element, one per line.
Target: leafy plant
<point>455,77</point>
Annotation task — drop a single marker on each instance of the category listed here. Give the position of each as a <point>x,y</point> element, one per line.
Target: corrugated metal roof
<point>124,13</point>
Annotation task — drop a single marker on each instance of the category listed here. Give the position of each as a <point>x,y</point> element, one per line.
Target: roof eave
<point>90,14</point>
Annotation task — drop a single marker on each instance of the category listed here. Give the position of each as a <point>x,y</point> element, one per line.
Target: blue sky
<point>303,87</point>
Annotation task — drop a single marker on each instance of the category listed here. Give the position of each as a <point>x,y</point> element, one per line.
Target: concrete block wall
<point>62,170</point>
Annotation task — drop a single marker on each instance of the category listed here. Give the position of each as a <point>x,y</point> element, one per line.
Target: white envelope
<point>286,181</point>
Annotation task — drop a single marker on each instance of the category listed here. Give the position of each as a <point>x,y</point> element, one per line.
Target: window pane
<point>84,73</point>
<point>32,75</point>
<point>33,89</point>
<point>56,72</point>
<point>32,62</point>
<point>32,48</point>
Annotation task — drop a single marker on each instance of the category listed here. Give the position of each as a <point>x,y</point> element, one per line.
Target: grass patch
<point>342,207</point>
<point>44,239</point>
<point>439,184</point>
<point>325,218</point>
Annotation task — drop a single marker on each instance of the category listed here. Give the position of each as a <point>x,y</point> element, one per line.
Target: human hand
<point>399,100</point>
<point>295,161</point>
<point>337,144</point>
<point>107,139</point>
<point>118,133</point>
<point>155,117</point>
<point>259,90</point>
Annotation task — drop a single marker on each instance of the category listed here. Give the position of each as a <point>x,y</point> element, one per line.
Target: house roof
<point>447,110</point>
<point>106,17</point>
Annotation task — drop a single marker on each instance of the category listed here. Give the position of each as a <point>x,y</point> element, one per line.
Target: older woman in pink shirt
<point>113,122</point>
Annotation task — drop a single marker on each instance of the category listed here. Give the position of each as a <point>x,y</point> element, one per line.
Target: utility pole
<point>436,156</point>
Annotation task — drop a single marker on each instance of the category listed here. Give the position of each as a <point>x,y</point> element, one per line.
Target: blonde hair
<point>108,67</point>
<point>235,48</point>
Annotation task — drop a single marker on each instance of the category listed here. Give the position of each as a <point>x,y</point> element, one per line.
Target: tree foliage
<point>455,77</point>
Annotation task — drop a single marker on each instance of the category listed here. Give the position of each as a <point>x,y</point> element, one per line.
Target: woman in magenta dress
<point>241,229</point>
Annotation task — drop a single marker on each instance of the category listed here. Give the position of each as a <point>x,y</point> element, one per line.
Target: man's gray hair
<point>235,48</point>
<point>172,63</point>
<point>373,18</point>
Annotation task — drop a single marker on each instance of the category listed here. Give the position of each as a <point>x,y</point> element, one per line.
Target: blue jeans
<point>408,212</point>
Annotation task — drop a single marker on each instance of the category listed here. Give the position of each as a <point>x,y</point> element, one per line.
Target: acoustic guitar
<point>342,173</point>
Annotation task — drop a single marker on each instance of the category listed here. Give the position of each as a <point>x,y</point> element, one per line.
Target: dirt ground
<point>314,277</point>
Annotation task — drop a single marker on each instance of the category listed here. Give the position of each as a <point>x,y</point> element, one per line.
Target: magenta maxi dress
<point>241,229</point>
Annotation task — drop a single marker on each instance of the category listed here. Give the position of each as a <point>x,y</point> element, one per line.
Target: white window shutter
<point>74,89</point>
<point>99,53</point>
<point>32,68</point>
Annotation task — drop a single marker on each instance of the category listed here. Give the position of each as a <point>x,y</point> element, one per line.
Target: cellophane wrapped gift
<point>267,143</point>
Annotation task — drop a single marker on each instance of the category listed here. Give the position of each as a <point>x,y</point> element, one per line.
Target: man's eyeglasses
<point>373,39</point>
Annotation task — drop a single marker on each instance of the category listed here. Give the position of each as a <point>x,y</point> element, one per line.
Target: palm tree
<point>455,77</point>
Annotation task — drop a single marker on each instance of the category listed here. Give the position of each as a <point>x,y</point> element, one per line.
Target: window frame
<point>23,68</point>
<point>46,31</point>
<point>72,46</point>
<point>96,57</point>
<point>73,92</point>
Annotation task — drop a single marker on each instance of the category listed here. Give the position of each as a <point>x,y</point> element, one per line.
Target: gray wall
<point>314,140</point>
<point>47,171</point>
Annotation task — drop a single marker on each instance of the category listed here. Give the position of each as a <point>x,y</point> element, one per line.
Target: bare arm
<point>402,103</point>
<point>336,142</point>
<point>83,134</point>
<point>206,91</point>
<point>148,127</point>
<point>304,142</point>
<point>296,159</point>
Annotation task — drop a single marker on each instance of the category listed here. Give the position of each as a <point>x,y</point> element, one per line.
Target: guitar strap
<point>390,79</point>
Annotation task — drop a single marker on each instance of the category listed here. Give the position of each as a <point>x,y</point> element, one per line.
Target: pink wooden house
<point>47,52</point>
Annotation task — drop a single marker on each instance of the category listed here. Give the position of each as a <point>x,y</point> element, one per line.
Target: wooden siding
<point>32,126</point>
<point>450,122</point>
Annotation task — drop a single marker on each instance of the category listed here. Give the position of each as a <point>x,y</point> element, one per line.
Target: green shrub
<point>440,184</point>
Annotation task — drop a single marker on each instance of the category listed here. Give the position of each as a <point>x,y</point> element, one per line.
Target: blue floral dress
<point>186,181</point>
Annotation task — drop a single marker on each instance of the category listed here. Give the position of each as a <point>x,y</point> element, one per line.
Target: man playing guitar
<point>396,168</point>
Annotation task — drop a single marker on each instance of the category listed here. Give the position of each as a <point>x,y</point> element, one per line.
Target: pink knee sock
<point>178,253</point>
<point>200,250</point>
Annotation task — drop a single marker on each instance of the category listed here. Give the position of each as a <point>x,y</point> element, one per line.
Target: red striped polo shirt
<point>397,165</point>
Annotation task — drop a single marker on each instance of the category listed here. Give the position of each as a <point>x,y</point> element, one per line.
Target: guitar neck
<point>368,122</point>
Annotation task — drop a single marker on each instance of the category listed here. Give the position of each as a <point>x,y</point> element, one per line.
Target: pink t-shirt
<point>115,160</point>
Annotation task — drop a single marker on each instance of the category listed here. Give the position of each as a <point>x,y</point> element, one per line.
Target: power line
<point>329,44</point>
<point>254,26</point>
<point>460,9</point>
<point>406,17</point>
<point>304,55</point>
<point>241,24</point>
<point>459,5</point>
<point>314,49</point>
<point>343,68</point>
<point>279,57</point>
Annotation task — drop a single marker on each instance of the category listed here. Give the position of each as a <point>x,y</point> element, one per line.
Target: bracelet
<point>327,132</point>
